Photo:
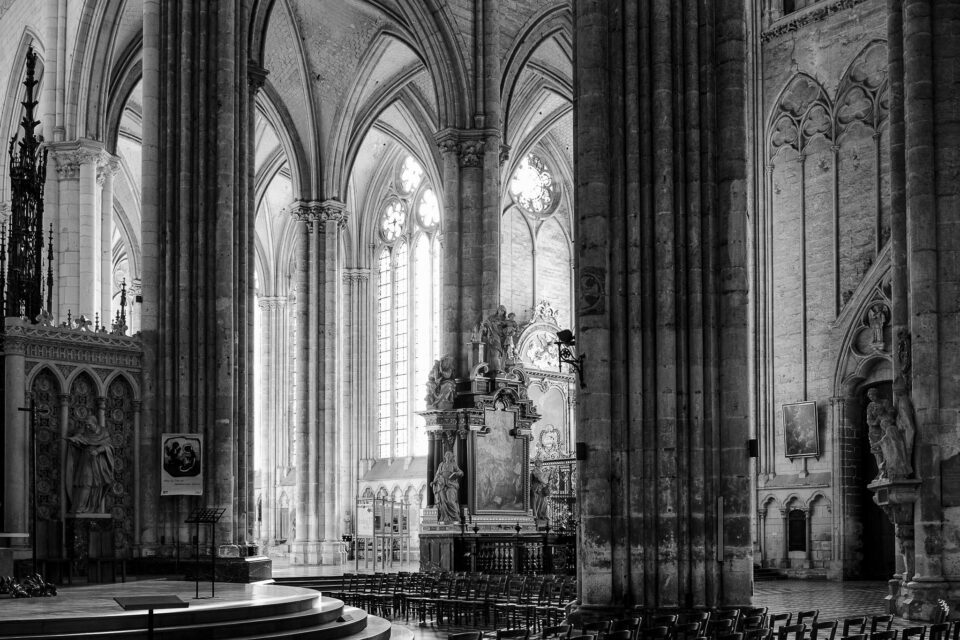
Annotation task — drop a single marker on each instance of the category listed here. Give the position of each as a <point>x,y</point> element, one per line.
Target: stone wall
<point>826,220</point>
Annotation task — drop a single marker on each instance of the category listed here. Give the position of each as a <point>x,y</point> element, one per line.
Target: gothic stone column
<point>662,303</point>
<point>196,250</point>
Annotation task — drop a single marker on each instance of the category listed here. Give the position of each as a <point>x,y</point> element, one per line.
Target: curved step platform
<point>239,611</point>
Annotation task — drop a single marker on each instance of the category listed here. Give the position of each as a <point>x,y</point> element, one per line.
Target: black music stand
<point>211,516</point>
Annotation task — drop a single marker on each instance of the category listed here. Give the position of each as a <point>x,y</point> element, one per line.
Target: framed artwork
<point>800,430</point>
<point>499,477</point>
<point>181,464</point>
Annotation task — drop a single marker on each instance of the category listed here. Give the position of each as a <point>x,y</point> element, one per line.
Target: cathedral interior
<point>673,286</point>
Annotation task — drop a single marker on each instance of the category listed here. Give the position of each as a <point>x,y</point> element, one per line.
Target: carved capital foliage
<point>272,302</point>
<point>317,211</point>
<point>68,157</point>
<point>356,275</point>
<point>469,145</point>
<point>471,153</point>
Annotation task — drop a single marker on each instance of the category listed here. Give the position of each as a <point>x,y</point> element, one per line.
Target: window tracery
<point>533,188</point>
<point>408,292</point>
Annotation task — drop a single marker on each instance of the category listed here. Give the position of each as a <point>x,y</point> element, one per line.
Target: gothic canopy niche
<point>550,387</point>
<point>865,356</point>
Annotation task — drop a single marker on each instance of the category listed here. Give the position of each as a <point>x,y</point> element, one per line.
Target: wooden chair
<point>823,630</point>
<point>717,628</point>
<point>598,629</point>
<point>622,634</point>
<point>808,618</point>
<point>757,633</point>
<point>654,633</point>
<point>913,633</point>
<point>775,620</point>
<point>627,624</point>
<point>889,634</point>
<point>513,634</point>
<point>790,631</point>
<point>749,623</point>
<point>938,631</point>
<point>560,631</point>
<point>731,636</point>
<point>880,623</point>
<point>856,636</point>
<point>854,626</point>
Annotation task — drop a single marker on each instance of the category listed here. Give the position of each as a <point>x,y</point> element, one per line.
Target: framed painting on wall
<point>800,430</point>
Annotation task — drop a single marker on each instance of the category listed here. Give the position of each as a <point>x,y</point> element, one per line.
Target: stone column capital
<point>468,144</point>
<point>69,156</point>
<point>356,275</point>
<point>256,76</point>
<point>330,210</point>
<point>108,167</point>
<point>271,302</point>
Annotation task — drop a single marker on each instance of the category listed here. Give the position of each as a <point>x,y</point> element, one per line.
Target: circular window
<point>532,187</point>
<point>429,209</point>
<point>392,220</point>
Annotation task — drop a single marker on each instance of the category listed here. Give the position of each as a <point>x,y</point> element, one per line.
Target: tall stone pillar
<point>196,244</point>
<point>272,402</point>
<point>16,442</point>
<point>356,391</point>
<point>107,171</point>
<point>925,213</point>
<point>318,293</point>
<point>662,303</point>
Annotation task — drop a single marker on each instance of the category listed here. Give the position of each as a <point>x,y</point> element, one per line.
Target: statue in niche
<point>441,387</point>
<point>875,411</point>
<point>93,465</point>
<point>446,489</point>
<point>891,433</point>
<point>539,490</point>
<point>877,318</point>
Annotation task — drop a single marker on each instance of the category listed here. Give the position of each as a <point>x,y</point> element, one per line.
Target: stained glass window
<point>533,188</point>
<point>407,309</point>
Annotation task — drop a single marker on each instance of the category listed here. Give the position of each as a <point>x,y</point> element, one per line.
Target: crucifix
<point>32,409</point>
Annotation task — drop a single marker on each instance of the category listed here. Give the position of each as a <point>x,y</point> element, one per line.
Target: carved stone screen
<point>500,484</point>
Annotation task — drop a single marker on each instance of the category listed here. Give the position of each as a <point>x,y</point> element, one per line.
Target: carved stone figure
<point>492,332</point>
<point>446,489</point>
<point>441,387</point>
<point>93,464</point>
<point>539,490</point>
<point>891,433</point>
<point>877,318</point>
<point>875,411</point>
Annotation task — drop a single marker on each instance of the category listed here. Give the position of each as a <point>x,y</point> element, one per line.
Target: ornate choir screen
<point>84,384</point>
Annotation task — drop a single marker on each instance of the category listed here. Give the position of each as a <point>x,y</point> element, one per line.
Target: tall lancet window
<point>408,294</point>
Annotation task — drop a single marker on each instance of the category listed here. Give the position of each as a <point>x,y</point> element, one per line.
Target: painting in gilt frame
<point>500,483</point>
<point>800,430</point>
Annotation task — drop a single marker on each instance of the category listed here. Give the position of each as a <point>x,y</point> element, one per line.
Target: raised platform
<point>241,611</point>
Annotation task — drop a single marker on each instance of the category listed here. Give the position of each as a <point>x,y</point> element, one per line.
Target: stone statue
<point>446,489</point>
<point>93,464</point>
<point>441,387</point>
<point>492,334</point>
<point>875,411</point>
<point>510,327</point>
<point>539,490</point>
<point>877,318</point>
<point>891,433</point>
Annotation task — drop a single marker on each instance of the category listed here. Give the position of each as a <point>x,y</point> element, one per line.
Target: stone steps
<point>260,612</point>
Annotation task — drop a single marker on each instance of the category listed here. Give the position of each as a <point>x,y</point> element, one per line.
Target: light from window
<point>400,356</point>
<point>411,174</point>
<point>393,220</point>
<point>384,352</point>
<point>532,186</point>
<point>429,209</point>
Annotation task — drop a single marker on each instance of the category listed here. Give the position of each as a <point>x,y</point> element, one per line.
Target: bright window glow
<point>411,175</point>
<point>429,209</point>
<point>407,313</point>
<point>393,220</point>
<point>532,186</point>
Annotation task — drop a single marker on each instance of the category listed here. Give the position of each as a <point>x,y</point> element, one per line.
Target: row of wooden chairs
<point>444,598</point>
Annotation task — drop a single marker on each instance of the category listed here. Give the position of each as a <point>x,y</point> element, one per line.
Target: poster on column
<point>181,464</point>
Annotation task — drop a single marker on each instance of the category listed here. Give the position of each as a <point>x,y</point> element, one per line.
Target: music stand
<point>211,516</point>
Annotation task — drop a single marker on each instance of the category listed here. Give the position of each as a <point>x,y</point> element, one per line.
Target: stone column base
<point>333,552</point>
<point>305,552</point>
<point>918,600</point>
